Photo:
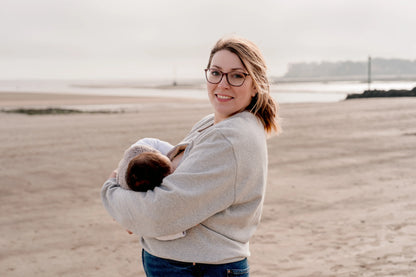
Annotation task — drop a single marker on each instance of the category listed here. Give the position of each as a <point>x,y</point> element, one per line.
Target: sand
<point>340,197</point>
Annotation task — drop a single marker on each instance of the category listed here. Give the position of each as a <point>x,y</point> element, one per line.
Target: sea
<point>293,92</point>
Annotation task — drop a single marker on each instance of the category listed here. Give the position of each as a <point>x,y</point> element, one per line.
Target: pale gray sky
<point>141,39</point>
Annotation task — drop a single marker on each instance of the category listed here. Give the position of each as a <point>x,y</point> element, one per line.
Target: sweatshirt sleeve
<point>203,185</point>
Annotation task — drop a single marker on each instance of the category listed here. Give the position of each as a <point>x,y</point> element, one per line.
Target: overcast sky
<point>165,38</point>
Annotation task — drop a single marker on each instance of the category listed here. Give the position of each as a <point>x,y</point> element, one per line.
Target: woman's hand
<point>113,174</point>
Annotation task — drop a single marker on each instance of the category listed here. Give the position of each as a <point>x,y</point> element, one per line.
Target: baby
<point>147,170</point>
<point>143,167</point>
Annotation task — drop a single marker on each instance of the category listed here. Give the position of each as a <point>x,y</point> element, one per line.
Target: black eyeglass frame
<point>226,76</point>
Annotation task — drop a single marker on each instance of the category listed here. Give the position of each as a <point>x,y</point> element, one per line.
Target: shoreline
<point>282,92</point>
<point>11,100</point>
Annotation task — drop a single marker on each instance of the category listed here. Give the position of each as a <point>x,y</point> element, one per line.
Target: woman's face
<point>226,99</point>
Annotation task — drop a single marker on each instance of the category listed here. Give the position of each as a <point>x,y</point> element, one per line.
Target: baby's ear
<point>142,183</point>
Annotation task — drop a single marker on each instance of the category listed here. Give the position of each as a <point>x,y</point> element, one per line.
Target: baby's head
<point>147,170</point>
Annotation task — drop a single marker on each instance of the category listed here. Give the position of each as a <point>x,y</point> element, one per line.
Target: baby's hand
<point>113,174</point>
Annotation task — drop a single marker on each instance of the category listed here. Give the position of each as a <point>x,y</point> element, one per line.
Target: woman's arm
<point>203,185</point>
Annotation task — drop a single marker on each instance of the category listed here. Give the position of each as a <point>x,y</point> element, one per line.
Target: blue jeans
<point>159,267</point>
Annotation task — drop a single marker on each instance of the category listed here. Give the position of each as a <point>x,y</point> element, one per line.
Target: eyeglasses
<point>234,78</point>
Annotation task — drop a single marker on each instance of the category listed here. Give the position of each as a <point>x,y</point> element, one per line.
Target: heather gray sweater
<point>216,194</point>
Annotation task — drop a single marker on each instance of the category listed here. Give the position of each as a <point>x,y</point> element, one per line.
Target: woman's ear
<point>254,92</point>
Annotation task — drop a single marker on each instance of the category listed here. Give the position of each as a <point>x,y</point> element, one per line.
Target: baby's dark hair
<point>146,171</point>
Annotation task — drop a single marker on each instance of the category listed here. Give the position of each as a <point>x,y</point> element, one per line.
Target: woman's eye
<point>237,75</point>
<point>215,73</point>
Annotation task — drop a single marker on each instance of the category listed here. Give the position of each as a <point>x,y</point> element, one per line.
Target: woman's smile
<point>223,97</point>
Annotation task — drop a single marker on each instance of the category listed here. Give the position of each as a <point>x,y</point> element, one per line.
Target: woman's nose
<point>224,82</point>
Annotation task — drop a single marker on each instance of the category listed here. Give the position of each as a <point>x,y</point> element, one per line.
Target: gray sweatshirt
<point>216,194</point>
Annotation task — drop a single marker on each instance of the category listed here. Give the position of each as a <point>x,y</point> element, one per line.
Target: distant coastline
<point>379,69</point>
<point>358,78</point>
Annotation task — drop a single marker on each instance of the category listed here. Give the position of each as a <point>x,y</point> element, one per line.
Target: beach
<point>340,196</point>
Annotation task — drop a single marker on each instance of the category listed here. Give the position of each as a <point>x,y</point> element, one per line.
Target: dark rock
<point>383,93</point>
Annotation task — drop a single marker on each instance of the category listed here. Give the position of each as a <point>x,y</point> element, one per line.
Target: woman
<point>216,193</point>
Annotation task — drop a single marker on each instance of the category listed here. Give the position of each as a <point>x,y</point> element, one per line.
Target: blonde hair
<point>262,105</point>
